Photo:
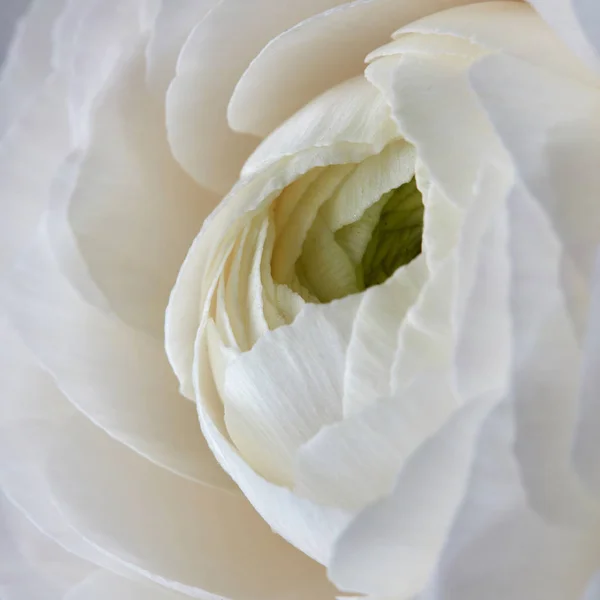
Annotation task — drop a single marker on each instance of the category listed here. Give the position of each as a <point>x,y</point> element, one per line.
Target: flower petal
<point>206,76</point>
<point>133,211</point>
<point>313,56</point>
<point>198,540</point>
<point>116,375</point>
<point>498,547</point>
<point>355,461</point>
<point>310,527</point>
<point>27,63</point>
<point>392,546</point>
<point>577,22</point>
<point>289,385</point>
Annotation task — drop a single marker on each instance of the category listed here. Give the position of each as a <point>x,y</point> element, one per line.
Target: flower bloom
<point>373,226</point>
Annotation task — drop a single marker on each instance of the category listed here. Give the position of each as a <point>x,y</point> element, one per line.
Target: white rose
<point>416,411</point>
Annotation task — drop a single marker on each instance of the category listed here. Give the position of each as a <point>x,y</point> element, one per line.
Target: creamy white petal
<point>289,385</point>
<point>214,57</point>
<point>30,153</point>
<point>310,527</point>
<point>482,311</point>
<point>133,211</point>
<point>33,566</point>
<point>118,376</point>
<point>315,55</point>
<point>174,23</point>
<point>101,585</point>
<point>350,113</point>
<point>498,547</point>
<point>355,461</point>
<point>452,137</point>
<point>357,125</point>
<point>367,373</point>
<point>507,27</point>
<point>203,542</point>
<point>392,546</point>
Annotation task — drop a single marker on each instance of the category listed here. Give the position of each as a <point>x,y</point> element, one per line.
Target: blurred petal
<point>118,376</point>
<point>32,566</point>
<point>102,585</point>
<point>28,60</point>
<point>174,23</point>
<point>133,211</point>
<point>555,224</point>
<point>392,546</point>
<point>313,56</point>
<point>189,537</point>
<point>577,22</point>
<point>498,547</point>
<point>214,57</point>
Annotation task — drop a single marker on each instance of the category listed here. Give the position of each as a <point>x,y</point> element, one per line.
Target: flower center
<point>366,252</point>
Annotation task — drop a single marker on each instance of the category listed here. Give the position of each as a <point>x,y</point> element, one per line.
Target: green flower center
<point>364,253</point>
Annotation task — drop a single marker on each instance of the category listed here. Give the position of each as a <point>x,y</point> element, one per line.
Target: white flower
<point>416,411</point>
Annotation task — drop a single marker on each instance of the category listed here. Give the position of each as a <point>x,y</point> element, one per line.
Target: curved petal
<point>577,22</point>
<point>174,23</point>
<point>101,585</point>
<point>313,56</point>
<point>555,222</point>
<point>27,61</point>
<point>498,547</point>
<point>33,566</point>
<point>289,385</point>
<point>346,125</point>
<point>206,76</point>
<point>198,540</point>
<point>133,211</point>
<point>122,380</point>
<point>309,526</point>
<point>367,372</point>
<point>392,546</point>
<point>355,461</point>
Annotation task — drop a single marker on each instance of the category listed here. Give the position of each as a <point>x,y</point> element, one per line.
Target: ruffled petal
<point>289,385</point>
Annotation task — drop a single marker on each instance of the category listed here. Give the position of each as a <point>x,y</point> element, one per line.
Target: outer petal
<point>555,223</point>
<point>206,76</point>
<point>498,547</point>
<point>116,375</point>
<point>315,55</point>
<point>33,566</point>
<point>26,59</point>
<point>133,212</point>
<point>203,542</point>
<point>392,547</point>
<point>577,22</point>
